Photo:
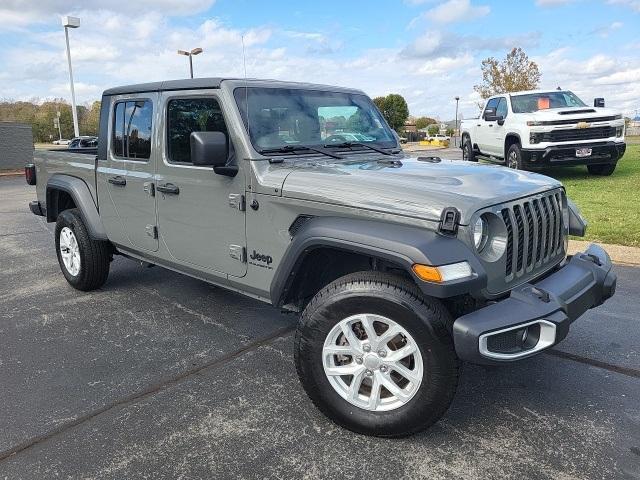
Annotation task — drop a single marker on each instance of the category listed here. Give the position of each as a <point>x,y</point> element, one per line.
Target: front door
<point>485,128</point>
<point>126,178</point>
<point>496,144</point>
<point>201,218</point>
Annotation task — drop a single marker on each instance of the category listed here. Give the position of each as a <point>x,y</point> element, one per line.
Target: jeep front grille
<point>535,234</point>
<point>576,134</point>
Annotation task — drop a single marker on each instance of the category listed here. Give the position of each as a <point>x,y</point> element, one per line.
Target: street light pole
<point>456,131</point>
<point>195,51</point>
<point>67,23</point>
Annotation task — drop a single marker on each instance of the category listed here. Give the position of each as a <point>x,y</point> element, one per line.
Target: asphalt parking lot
<point>157,375</point>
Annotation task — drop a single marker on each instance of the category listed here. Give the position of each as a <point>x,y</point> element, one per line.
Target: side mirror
<point>598,102</point>
<point>490,115</point>
<point>211,149</point>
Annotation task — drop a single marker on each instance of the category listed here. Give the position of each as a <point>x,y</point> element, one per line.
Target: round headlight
<point>480,233</point>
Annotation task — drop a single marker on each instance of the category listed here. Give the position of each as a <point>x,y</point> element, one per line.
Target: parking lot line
<point>149,391</point>
<point>629,372</point>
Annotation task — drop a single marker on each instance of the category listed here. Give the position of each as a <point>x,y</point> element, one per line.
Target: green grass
<point>610,204</point>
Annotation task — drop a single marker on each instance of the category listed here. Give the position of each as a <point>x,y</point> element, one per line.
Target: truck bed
<point>52,162</point>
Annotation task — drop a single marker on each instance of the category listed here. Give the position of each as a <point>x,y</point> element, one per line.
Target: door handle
<point>118,180</point>
<point>168,188</point>
<point>491,124</point>
<point>478,125</point>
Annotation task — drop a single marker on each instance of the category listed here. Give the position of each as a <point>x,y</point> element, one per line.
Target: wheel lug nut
<point>368,373</point>
<point>382,353</point>
<point>367,348</point>
<point>358,360</point>
<point>383,368</point>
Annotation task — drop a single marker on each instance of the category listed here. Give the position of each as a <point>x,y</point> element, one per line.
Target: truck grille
<point>576,134</point>
<point>535,234</point>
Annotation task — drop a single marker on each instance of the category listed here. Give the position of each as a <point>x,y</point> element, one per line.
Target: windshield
<point>533,102</point>
<point>280,117</point>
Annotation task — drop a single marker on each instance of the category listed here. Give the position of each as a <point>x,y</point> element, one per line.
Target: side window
<point>132,122</point>
<point>501,109</point>
<point>186,115</point>
<point>491,104</point>
<point>118,128</point>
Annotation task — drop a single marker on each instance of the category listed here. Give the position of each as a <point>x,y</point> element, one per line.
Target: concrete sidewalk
<point>619,253</point>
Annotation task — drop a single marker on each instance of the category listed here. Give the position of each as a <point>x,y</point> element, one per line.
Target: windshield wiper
<point>357,144</point>
<point>298,148</point>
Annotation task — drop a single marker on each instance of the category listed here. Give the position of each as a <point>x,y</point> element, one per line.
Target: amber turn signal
<point>427,273</point>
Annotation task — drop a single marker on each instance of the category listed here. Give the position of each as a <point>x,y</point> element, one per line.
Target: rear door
<point>201,217</point>
<point>126,179</point>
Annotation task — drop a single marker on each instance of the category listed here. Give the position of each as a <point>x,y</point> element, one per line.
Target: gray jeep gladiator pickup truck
<point>401,267</point>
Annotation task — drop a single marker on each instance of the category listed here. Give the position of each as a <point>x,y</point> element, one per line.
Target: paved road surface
<point>157,375</point>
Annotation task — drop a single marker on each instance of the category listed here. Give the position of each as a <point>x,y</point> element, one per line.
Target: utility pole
<point>67,23</point>
<point>455,133</point>
<point>56,123</point>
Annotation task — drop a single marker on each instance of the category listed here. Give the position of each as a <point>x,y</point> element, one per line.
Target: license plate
<point>583,152</point>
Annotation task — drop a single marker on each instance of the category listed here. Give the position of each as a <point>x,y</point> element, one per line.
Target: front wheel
<point>375,355</point>
<point>514,157</point>
<point>602,170</point>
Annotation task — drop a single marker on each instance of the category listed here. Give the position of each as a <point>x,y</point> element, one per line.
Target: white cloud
<point>455,11</point>
<point>632,4</point>
<point>18,13</point>
<point>553,3</point>
<point>436,43</point>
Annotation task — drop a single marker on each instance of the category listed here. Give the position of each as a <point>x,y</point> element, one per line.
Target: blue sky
<point>427,50</point>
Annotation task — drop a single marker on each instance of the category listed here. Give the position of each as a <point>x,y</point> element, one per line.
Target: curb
<point>619,253</point>
<point>11,173</point>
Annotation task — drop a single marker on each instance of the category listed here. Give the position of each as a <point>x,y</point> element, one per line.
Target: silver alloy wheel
<point>512,161</point>
<point>465,153</point>
<point>372,362</point>
<point>70,251</point>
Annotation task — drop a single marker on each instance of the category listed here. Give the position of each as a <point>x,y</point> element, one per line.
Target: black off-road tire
<point>426,320</point>
<point>514,157</point>
<point>603,170</point>
<point>95,255</point>
<point>467,151</point>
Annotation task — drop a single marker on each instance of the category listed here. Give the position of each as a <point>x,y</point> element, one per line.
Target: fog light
<point>619,131</point>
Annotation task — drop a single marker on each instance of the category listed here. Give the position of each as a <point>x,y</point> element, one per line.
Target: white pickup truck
<point>536,129</point>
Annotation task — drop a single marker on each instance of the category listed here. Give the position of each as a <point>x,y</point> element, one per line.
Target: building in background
<point>16,145</point>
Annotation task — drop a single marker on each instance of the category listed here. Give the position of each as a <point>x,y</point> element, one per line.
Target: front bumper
<point>536,316</point>
<point>601,152</point>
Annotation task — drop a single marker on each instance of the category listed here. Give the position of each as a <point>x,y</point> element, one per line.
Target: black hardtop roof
<point>202,83</point>
<point>184,84</point>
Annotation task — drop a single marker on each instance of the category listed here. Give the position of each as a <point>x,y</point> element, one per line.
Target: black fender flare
<point>403,245</point>
<point>79,191</point>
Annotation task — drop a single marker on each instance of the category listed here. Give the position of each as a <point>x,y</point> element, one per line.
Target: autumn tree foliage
<point>516,72</point>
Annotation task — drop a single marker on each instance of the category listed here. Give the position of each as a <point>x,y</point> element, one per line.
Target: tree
<point>394,109</point>
<point>90,119</point>
<point>450,132</point>
<point>516,72</point>
<point>433,130</point>
<point>424,122</point>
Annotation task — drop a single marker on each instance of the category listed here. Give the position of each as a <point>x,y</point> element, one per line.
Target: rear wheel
<point>84,262</point>
<point>603,170</point>
<point>467,151</point>
<point>375,356</point>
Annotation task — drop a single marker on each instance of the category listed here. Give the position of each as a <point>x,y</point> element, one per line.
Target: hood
<point>573,113</point>
<point>419,189</point>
